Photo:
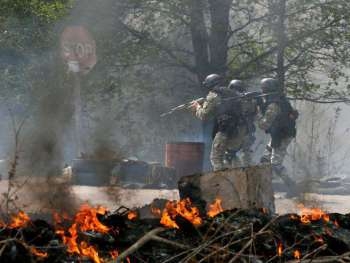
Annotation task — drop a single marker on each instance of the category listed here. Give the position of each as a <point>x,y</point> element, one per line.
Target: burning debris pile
<point>178,233</point>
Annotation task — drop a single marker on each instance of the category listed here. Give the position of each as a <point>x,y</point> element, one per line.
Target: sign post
<point>78,50</point>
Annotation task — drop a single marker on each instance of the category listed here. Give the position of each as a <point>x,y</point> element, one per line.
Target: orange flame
<point>90,252</point>
<point>114,254</point>
<point>183,208</point>
<point>167,221</point>
<point>88,221</point>
<point>85,220</point>
<point>215,208</point>
<point>297,254</point>
<point>312,214</point>
<point>19,220</point>
<point>132,215</point>
<point>38,253</point>
<point>279,249</point>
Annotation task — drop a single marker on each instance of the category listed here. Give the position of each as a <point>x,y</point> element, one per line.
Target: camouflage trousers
<point>223,143</point>
<point>275,156</point>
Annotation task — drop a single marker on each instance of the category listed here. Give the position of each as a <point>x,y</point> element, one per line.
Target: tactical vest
<point>228,113</point>
<point>284,124</point>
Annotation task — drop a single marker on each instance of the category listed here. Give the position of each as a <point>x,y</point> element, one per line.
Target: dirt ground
<point>39,197</point>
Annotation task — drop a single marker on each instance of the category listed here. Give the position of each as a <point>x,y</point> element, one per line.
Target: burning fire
<point>114,254</point>
<point>85,220</point>
<point>297,254</point>
<point>132,215</point>
<point>279,249</point>
<point>90,252</point>
<point>19,220</point>
<point>215,208</point>
<point>312,214</point>
<point>182,208</point>
<point>38,253</point>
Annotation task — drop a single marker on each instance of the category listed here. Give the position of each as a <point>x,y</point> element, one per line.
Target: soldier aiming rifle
<point>232,131</point>
<point>225,105</point>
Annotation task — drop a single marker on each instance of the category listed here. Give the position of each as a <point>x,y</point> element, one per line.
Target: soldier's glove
<point>195,106</point>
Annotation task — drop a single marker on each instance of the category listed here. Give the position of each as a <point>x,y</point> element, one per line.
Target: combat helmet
<point>269,85</point>
<point>237,85</point>
<point>212,80</point>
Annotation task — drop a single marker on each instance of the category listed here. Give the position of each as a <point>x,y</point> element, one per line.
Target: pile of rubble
<point>178,232</point>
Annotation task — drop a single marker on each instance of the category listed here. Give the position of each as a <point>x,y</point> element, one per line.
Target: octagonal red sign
<point>78,47</point>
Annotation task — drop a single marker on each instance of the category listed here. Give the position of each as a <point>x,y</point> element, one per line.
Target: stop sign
<point>78,48</point>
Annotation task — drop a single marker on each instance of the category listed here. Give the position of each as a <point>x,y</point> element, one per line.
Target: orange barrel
<point>185,157</point>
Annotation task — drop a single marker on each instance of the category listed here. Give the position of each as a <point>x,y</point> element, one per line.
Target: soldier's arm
<point>207,110</point>
<point>268,118</point>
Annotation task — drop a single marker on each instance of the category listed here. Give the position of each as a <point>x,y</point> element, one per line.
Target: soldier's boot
<point>281,172</point>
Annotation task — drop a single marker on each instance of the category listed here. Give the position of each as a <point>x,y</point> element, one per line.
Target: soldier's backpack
<point>284,125</point>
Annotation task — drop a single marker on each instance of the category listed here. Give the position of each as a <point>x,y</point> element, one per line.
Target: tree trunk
<point>218,46</point>
<point>281,38</point>
<point>199,36</point>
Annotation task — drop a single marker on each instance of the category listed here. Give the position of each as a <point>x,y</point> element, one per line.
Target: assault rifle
<point>182,106</point>
<point>248,95</point>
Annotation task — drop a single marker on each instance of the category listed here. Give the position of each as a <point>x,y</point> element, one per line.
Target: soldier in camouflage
<point>230,133</point>
<point>248,108</point>
<point>277,119</point>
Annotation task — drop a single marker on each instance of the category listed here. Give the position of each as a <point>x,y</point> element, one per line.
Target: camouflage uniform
<point>249,110</point>
<point>276,150</point>
<point>274,154</point>
<point>248,113</point>
<point>225,140</point>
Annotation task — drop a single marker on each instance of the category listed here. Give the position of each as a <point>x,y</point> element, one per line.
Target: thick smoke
<point>42,155</point>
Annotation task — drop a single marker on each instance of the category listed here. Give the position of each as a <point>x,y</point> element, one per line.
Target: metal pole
<point>78,115</point>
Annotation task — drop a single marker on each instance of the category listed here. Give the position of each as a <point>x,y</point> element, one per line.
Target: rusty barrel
<point>185,157</point>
